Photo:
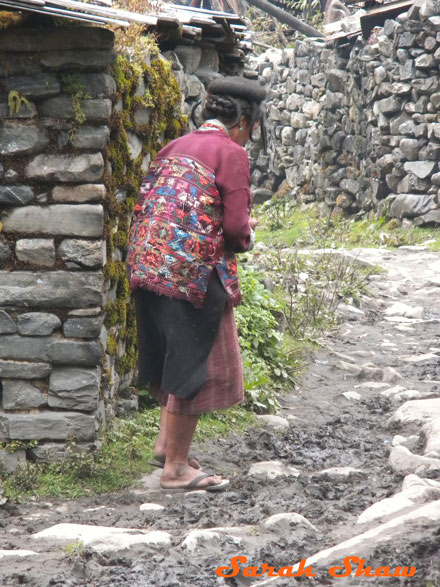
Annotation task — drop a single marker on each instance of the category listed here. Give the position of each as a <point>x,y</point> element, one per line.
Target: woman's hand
<point>253,223</point>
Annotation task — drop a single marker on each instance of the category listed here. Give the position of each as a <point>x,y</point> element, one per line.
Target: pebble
<point>274,422</point>
<point>415,411</point>
<point>414,491</point>
<point>104,538</point>
<point>403,461</point>
<point>286,521</point>
<point>271,470</point>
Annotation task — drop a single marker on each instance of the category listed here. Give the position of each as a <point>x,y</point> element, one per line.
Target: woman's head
<point>236,102</point>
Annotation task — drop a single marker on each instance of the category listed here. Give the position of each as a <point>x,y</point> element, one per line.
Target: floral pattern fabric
<point>176,237</point>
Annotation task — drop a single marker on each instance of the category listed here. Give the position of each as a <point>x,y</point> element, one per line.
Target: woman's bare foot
<point>179,476</point>
<point>192,461</point>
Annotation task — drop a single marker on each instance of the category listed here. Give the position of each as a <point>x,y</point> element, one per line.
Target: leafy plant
<point>16,101</point>
<point>75,550</point>
<point>264,364</point>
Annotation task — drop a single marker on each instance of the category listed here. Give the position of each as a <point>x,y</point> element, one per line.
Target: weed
<point>16,101</point>
<point>75,550</point>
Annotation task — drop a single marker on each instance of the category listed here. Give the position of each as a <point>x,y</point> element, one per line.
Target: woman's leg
<point>179,434</point>
<point>160,447</point>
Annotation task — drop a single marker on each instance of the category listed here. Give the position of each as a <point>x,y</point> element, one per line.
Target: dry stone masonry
<point>53,138</point>
<point>356,127</point>
<point>59,353</point>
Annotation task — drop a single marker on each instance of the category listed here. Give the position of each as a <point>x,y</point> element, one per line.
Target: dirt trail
<point>298,483</point>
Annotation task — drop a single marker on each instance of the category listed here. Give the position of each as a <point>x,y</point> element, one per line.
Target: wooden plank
<point>102,11</point>
<point>64,14</point>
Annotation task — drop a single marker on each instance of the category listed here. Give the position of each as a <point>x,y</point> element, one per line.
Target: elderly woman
<point>192,216</point>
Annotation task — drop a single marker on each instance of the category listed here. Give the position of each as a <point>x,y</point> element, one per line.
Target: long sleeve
<point>233,179</point>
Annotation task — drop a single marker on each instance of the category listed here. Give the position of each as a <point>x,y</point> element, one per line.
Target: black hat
<point>238,87</point>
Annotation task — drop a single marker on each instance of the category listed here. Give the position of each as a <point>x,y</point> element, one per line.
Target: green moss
<point>163,97</point>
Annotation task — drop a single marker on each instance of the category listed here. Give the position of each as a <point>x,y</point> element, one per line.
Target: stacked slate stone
<point>357,127</point>
<point>296,84</point>
<point>393,117</point>
<point>52,245</point>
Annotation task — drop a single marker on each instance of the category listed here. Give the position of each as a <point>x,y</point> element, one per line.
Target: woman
<point>192,216</point>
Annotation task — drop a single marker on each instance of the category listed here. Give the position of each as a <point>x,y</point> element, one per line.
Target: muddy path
<point>350,467</point>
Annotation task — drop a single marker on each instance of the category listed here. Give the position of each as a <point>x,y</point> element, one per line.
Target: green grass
<point>282,224</point>
<point>126,449</point>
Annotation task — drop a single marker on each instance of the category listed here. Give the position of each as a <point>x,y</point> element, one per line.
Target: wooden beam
<point>286,18</point>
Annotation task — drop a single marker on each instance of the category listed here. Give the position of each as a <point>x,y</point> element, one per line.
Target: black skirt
<point>175,338</point>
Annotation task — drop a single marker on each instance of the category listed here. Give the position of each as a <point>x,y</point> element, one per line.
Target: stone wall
<point>356,127</point>
<point>78,127</point>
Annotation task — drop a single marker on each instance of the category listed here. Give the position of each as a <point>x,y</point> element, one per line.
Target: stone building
<point>79,123</point>
<point>354,124</point>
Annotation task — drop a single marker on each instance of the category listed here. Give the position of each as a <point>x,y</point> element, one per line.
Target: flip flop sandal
<point>160,464</point>
<point>194,485</point>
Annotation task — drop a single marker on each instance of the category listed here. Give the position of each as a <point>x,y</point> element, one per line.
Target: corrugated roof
<point>170,15</point>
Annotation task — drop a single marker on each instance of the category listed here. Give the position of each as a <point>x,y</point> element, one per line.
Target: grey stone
<point>73,388</point>
<point>85,220</point>
<point>37,251</point>
<point>24,370</point>
<point>72,352</point>
<point>66,168</point>
<point>286,522</point>
<point>79,194</point>
<point>435,100</point>
<point>404,462</point>
<point>261,195</point>
<point>5,252</point>
<point>49,452</point>
<point>20,139</point>
<point>7,325</point>
<point>134,145</point>
<point>63,60</point>
<point>407,71</point>
<point>411,205</point>
<point>426,61</point>
<point>85,253</point>
<point>11,176</point>
<point>274,422</point>
<point>336,80</point>
<point>21,395</point>
<point>33,86</point>
<point>411,183</point>
<point>351,186</point>
<point>51,426</point>
<point>421,169</point>
<point>431,151</point>
<point>9,463</point>
<point>63,107</point>
<point>209,59</point>
<point>193,87</point>
<point>431,218</point>
<point>410,148</point>
<point>142,115</point>
<point>189,57</point>
<point>82,327</point>
<point>36,39</point>
<point>103,539</point>
<point>97,85</point>
<point>49,289</point>
<point>287,136</point>
<point>271,470</point>
<point>427,85</point>
<point>15,195</point>
<point>27,110</point>
<point>37,324</point>
<point>91,137</point>
<point>387,106</point>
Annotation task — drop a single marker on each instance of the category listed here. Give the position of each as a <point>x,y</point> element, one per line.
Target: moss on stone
<point>163,98</point>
